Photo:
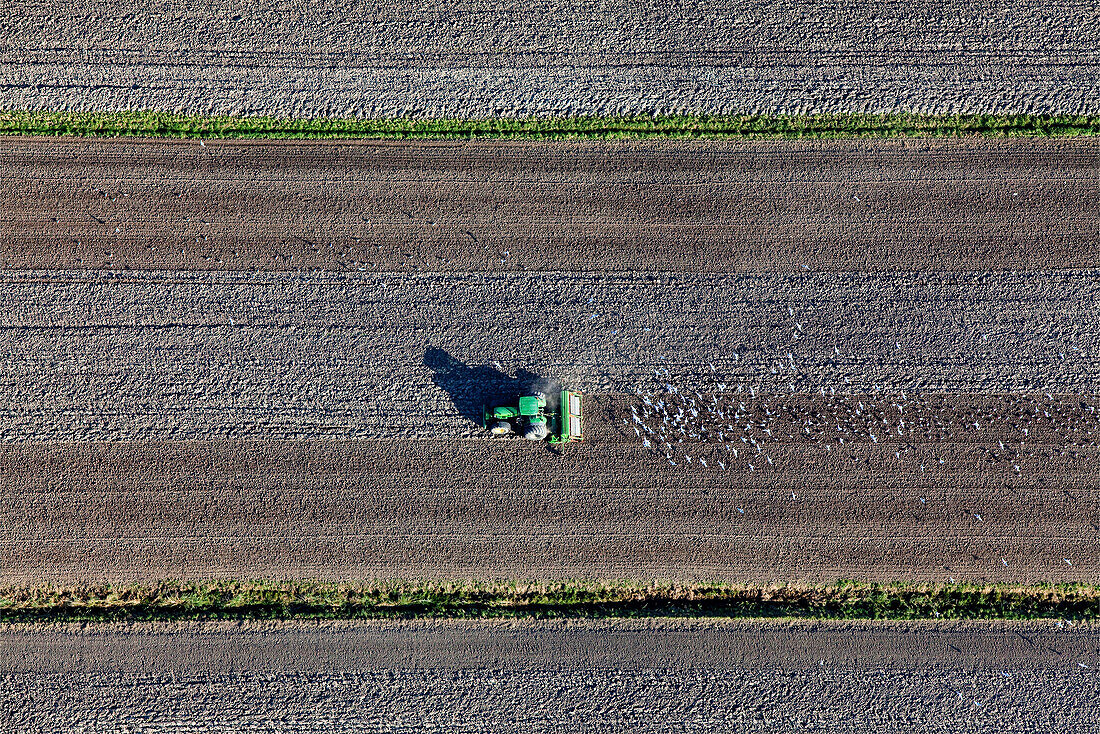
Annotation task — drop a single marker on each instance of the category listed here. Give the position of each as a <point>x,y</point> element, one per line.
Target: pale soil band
<point>658,676</point>
<point>552,57</point>
<point>114,355</point>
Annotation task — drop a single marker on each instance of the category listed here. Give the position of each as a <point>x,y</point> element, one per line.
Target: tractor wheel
<point>500,428</point>
<point>536,432</point>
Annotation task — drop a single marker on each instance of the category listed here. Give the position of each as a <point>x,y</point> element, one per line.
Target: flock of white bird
<point>733,423</point>
<point>740,427</point>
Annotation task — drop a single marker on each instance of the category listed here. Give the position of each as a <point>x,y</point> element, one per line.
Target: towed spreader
<point>535,419</point>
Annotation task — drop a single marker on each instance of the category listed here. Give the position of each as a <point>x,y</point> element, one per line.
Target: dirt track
<point>623,676</point>
<point>552,57</point>
<point>321,422</point>
<point>685,206</point>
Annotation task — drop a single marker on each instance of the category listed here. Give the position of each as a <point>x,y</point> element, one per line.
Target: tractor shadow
<point>471,387</point>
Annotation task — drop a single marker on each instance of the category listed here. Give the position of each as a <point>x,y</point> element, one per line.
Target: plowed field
<point>800,361</point>
<point>552,57</point>
<point>660,676</point>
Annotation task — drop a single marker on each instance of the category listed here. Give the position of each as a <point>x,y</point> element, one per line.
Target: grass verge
<point>161,124</point>
<point>571,599</point>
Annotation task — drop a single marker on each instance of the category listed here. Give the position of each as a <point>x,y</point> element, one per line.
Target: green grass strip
<point>738,127</point>
<point>566,599</point>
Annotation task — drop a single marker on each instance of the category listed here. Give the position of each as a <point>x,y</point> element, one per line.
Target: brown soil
<point>457,206</point>
<point>606,508</point>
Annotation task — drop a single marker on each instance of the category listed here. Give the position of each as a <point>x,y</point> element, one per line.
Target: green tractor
<point>535,420</point>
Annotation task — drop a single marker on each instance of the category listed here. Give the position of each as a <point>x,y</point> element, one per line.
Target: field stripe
<point>688,206</point>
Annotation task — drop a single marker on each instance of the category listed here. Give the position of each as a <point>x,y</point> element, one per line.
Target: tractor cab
<point>536,419</point>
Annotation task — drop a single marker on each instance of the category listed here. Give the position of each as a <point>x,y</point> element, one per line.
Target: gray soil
<point>492,206</point>
<point>552,58</point>
<point>240,406</point>
<point>112,355</point>
<point>657,676</point>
